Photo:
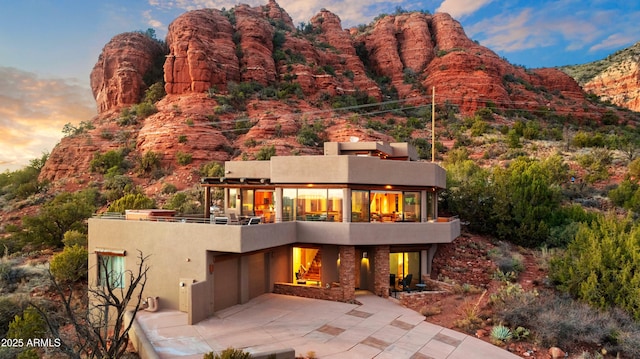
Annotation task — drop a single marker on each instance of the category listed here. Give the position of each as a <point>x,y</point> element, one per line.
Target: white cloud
<point>351,13</point>
<point>614,41</point>
<point>461,8</point>
<point>33,111</point>
<point>154,23</point>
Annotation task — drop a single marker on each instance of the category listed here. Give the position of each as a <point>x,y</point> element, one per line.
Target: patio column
<point>381,271</point>
<point>207,203</point>
<point>347,272</point>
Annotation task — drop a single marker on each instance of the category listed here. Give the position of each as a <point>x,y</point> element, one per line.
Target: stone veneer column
<point>381,271</point>
<point>347,272</point>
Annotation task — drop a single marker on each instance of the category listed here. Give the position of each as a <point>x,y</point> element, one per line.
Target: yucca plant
<point>501,334</point>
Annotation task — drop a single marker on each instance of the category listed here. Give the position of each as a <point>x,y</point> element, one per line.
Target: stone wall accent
<point>334,293</point>
<point>381,271</point>
<point>347,273</point>
<point>409,299</point>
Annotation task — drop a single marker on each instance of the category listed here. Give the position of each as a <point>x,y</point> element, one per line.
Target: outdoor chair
<point>405,283</point>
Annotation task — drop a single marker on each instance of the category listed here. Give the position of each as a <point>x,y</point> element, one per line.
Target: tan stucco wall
<point>355,170</point>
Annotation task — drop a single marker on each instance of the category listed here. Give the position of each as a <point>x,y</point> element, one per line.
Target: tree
<point>526,197</point>
<point>70,265</point>
<point>67,211</point>
<point>602,264</point>
<point>100,331</point>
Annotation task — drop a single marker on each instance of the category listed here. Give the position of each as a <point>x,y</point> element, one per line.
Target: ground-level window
<point>307,265</point>
<point>111,268</point>
<point>401,264</point>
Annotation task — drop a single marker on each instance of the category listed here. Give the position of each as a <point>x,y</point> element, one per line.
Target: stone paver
<point>379,328</point>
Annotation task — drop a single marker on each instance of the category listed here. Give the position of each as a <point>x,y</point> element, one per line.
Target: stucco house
<point>362,216</point>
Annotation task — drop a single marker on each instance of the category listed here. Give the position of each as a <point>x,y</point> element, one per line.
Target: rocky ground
<point>467,272</point>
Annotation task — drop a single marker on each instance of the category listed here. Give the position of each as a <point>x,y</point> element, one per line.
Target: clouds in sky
<point>460,8</point>
<point>33,111</point>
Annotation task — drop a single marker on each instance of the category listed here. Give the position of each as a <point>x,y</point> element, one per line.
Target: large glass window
<point>359,206</point>
<point>111,268</point>
<point>411,204</point>
<point>233,198</point>
<point>386,206</point>
<point>431,205</point>
<point>247,202</point>
<point>312,204</point>
<point>307,266</point>
<point>264,205</point>
<point>288,204</point>
<point>402,264</point>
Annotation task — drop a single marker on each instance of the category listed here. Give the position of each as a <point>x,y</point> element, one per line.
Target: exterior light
<point>388,186</point>
<point>364,254</point>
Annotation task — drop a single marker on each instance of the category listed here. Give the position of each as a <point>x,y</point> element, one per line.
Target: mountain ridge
<point>242,80</point>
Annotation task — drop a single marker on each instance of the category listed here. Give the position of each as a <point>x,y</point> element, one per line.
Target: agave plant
<point>501,334</point>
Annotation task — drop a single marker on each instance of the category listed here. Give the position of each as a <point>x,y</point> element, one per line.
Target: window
<point>307,265</point>
<point>312,204</point>
<point>111,267</point>
<point>411,210</point>
<point>404,263</point>
<point>247,202</point>
<point>359,206</point>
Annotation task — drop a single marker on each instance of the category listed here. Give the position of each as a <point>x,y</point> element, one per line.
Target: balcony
<point>167,232</point>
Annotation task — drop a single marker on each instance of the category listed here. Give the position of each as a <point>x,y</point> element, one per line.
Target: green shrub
<point>9,308</point>
<point>311,134</point>
<point>183,158</point>
<point>103,162</point>
<point>132,201</point>
<point>501,334</point>
<point>229,353</point>
<point>182,139</point>
<point>154,93</point>
<point>149,163</point>
<point>188,202</point>
<point>602,264</point>
<point>73,237</point>
<point>169,188</point>
<point>212,169</point>
<point>265,153</point>
<point>29,325</point>
<point>70,265</point>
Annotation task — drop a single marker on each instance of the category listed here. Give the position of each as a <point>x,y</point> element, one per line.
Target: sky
<point>49,47</point>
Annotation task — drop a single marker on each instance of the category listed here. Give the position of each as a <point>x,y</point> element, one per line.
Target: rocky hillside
<point>615,79</point>
<point>243,81</point>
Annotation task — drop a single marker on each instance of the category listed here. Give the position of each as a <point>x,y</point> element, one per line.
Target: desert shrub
<point>584,139</point>
<point>596,165</point>
<point>626,195</point>
<point>311,134</point>
<point>9,308</point>
<point>265,153</point>
<point>169,188</point>
<point>24,182</point>
<point>183,158</point>
<point>149,163</point>
<point>67,211</point>
<point>29,325</point>
<point>132,201</point>
<point>112,160</point>
<point>479,127</point>
<point>70,265</point>
<point>117,185</point>
<point>182,139</point>
<point>212,169</point>
<point>154,93</point>
<point>73,237</point>
<point>187,202</point>
<point>229,353</point>
<point>601,266</point>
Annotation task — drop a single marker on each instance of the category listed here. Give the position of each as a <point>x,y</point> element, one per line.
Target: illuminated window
<point>307,266</point>
<point>312,204</point>
<point>359,206</point>
<point>411,208</point>
<point>404,263</point>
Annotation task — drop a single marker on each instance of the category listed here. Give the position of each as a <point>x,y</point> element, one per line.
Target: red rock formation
<point>202,53</point>
<point>619,84</point>
<point>408,54</point>
<point>117,78</point>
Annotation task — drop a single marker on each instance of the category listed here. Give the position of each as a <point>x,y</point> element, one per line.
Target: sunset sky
<point>48,48</point>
